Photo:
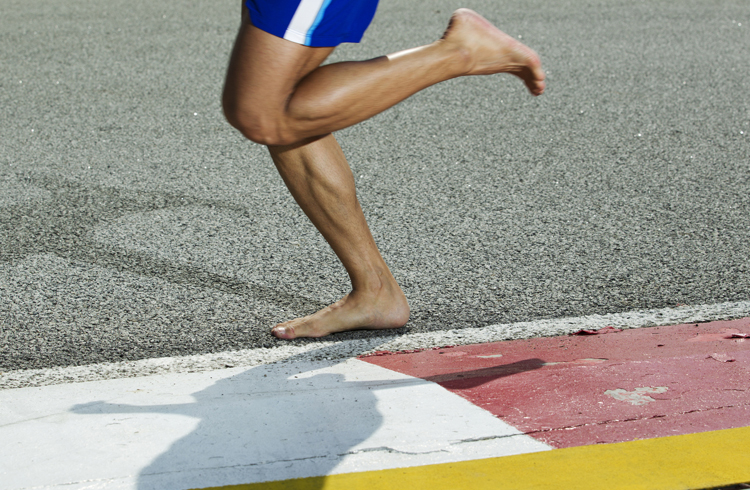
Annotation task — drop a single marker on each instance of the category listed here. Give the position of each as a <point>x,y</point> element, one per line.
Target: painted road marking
<point>551,388</point>
<point>302,418</point>
<point>177,431</point>
<point>335,349</point>
<point>694,461</point>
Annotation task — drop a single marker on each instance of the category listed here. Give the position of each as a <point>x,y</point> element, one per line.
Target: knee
<point>253,126</point>
<point>264,129</point>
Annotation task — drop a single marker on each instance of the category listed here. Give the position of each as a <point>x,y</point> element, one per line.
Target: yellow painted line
<point>693,461</point>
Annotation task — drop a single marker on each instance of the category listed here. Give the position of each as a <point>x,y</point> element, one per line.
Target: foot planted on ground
<point>382,308</point>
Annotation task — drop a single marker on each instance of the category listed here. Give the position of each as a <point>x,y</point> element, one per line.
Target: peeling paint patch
<point>721,357</point>
<point>588,360</point>
<point>457,353</point>
<point>637,397</point>
<point>601,331</point>
<point>381,353</point>
<point>725,334</point>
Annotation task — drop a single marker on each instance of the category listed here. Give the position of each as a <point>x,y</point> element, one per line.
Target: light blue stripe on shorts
<point>318,20</point>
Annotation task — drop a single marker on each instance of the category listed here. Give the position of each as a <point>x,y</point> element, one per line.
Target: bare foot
<point>489,50</point>
<point>383,308</point>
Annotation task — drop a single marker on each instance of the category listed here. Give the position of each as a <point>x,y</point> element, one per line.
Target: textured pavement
<point>135,223</point>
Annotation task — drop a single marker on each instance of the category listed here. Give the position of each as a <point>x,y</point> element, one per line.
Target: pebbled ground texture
<point>135,223</point>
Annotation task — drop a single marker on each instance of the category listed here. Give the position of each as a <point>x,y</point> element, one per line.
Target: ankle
<point>372,281</point>
<point>455,57</point>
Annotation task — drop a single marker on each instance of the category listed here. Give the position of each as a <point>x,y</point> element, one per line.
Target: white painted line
<point>333,349</point>
<point>239,425</point>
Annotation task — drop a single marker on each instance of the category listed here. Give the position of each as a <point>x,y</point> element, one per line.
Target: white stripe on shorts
<point>304,21</point>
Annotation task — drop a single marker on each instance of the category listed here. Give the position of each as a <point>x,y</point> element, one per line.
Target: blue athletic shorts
<point>313,22</point>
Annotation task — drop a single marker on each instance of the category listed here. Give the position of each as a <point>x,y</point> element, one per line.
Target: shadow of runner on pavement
<point>477,377</point>
<point>271,422</point>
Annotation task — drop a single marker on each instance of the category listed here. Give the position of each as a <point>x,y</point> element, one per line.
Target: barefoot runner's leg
<point>319,178</point>
<point>276,93</point>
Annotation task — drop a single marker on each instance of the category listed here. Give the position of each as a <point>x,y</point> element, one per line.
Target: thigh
<point>264,69</point>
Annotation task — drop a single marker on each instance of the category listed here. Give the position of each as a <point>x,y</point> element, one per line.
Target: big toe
<point>536,87</point>
<point>534,76</point>
<point>283,332</point>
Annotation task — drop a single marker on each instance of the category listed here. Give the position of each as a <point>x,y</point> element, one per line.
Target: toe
<point>536,88</point>
<point>283,332</point>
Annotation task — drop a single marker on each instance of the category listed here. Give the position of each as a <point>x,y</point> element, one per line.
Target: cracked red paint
<point>380,353</point>
<point>577,361</point>
<point>725,334</point>
<point>601,331</point>
<point>554,388</point>
<point>721,357</point>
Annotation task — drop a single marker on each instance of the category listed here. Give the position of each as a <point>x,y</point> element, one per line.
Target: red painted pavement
<point>588,389</point>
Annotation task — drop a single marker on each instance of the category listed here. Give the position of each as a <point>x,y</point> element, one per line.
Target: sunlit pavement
<point>146,247</point>
<point>652,408</point>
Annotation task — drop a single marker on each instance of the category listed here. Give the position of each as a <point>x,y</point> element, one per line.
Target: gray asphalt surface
<point>136,223</point>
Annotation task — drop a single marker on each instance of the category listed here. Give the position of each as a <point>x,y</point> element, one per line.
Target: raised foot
<point>489,50</point>
<point>355,311</point>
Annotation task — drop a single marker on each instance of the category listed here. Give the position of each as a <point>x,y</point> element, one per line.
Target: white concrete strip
<point>239,425</point>
<point>333,349</point>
